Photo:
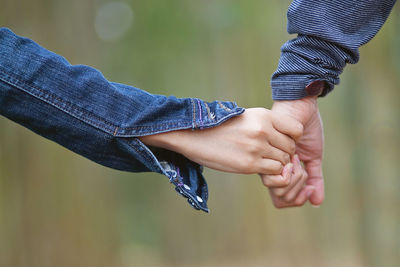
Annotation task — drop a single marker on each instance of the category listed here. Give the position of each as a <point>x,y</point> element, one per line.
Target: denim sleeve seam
<point>91,118</point>
<point>210,117</point>
<point>150,157</point>
<point>72,109</point>
<point>49,98</point>
<point>193,113</point>
<point>200,113</point>
<point>224,107</point>
<point>204,126</point>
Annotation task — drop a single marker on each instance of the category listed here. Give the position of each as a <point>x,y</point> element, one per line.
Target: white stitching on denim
<point>211,115</point>
<point>115,132</point>
<point>224,107</point>
<point>193,113</point>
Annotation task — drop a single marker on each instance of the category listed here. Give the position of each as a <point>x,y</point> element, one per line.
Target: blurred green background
<point>59,209</point>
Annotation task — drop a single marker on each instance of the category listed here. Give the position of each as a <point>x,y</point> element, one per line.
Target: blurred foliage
<point>59,209</point>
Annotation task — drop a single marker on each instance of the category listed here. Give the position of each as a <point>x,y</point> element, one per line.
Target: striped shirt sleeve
<point>329,34</point>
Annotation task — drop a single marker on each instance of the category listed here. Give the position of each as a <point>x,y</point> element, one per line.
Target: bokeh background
<point>60,209</point>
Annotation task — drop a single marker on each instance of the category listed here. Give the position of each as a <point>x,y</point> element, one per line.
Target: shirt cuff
<point>309,66</point>
<point>186,175</point>
<point>292,87</point>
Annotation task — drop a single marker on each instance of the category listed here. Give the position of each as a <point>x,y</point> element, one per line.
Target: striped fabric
<point>329,34</point>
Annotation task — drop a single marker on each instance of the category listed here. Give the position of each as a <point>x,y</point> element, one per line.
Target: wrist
<point>300,109</point>
<point>173,140</point>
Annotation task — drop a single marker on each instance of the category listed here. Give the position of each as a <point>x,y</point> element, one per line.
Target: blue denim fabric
<point>330,33</point>
<point>79,109</point>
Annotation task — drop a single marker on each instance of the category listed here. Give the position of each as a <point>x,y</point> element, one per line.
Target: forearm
<point>330,33</point>
<point>72,133</point>
<point>78,108</point>
<point>82,93</point>
<point>74,105</point>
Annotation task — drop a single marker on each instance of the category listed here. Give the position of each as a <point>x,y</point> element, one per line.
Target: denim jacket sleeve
<point>330,33</point>
<point>78,108</point>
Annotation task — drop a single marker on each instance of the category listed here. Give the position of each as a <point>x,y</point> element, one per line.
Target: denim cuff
<point>184,174</point>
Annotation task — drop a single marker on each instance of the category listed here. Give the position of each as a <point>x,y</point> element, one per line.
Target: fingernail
<point>297,158</point>
<point>309,193</point>
<point>315,206</point>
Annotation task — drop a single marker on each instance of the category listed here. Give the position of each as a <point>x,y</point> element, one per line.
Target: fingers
<point>270,166</point>
<point>272,181</point>
<point>288,125</point>
<point>276,154</point>
<point>300,200</point>
<point>298,189</point>
<point>297,181</point>
<point>295,190</point>
<point>303,196</point>
<point>314,171</point>
<point>282,142</point>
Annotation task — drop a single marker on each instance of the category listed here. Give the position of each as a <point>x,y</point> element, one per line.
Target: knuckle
<point>298,130</point>
<point>253,148</point>
<point>259,131</point>
<point>274,168</point>
<point>272,171</point>
<point>286,158</point>
<point>277,167</point>
<point>284,182</point>
<point>247,165</point>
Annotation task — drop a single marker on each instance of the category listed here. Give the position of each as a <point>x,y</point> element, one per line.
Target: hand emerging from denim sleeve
<point>257,141</point>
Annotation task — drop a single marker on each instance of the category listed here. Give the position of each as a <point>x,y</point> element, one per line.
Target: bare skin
<point>307,184</point>
<point>257,141</point>
<point>295,193</point>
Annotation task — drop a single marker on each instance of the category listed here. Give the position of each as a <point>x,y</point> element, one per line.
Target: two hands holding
<point>273,143</point>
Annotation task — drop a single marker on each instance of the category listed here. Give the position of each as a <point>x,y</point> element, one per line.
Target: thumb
<point>315,178</point>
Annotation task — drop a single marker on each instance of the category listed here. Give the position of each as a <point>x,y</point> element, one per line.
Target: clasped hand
<point>270,143</point>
